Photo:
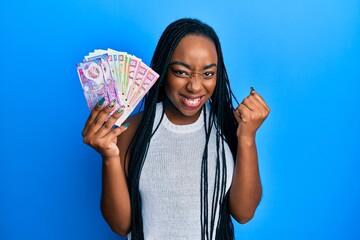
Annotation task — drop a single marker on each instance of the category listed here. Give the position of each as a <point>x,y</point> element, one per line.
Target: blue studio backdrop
<point>303,57</point>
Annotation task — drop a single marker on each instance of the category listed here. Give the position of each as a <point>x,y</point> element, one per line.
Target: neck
<point>177,117</point>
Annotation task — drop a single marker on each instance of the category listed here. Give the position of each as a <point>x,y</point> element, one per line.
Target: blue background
<point>303,57</point>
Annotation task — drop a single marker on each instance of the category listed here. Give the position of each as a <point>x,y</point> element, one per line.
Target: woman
<point>189,160</point>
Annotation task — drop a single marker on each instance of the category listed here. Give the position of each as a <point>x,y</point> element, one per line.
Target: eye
<point>181,73</point>
<point>208,75</point>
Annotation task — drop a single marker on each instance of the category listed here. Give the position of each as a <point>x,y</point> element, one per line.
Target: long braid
<point>204,184</point>
<point>221,115</point>
<point>227,125</point>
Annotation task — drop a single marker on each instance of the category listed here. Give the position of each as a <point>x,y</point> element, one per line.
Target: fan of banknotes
<point>116,76</point>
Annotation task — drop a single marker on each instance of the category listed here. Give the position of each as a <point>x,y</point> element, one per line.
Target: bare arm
<point>112,143</point>
<point>245,192</point>
<point>115,198</point>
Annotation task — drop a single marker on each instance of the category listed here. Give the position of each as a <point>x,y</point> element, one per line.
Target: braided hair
<point>221,116</point>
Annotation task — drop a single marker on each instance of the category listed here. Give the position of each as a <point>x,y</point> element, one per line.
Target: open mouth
<point>192,102</point>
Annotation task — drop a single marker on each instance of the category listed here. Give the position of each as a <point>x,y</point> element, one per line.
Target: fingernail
<point>101,102</point>
<point>126,125</point>
<point>119,111</point>
<point>252,89</point>
<point>112,104</point>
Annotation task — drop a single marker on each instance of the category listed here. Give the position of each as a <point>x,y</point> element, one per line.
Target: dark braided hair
<point>220,116</point>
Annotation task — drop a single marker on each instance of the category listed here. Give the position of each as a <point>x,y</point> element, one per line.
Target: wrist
<point>246,140</point>
<point>110,159</point>
<point>109,154</point>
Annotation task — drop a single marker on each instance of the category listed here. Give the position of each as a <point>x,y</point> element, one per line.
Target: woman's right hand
<point>99,132</point>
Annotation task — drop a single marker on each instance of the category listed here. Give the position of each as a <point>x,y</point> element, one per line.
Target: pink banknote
<point>116,76</point>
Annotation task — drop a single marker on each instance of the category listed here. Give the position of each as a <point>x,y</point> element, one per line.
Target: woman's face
<point>191,78</point>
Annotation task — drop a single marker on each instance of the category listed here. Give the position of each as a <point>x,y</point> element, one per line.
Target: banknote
<point>147,83</point>
<point>125,74</point>
<point>133,67</point>
<point>116,58</point>
<point>115,75</point>
<point>140,76</point>
<point>108,77</point>
<point>92,82</point>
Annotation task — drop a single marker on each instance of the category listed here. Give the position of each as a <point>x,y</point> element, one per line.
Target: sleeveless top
<point>170,179</point>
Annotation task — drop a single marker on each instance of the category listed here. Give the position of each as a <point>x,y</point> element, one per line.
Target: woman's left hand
<point>250,114</point>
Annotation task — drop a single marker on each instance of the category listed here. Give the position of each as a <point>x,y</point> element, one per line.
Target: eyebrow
<point>188,66</point>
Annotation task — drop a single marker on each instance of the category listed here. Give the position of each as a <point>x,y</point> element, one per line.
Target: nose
<point>194,83</point>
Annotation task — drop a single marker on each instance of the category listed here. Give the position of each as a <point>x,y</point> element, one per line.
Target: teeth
<point>192,101</point>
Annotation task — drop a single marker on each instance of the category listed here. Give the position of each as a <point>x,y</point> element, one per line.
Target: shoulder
<point>134,122</point>
<point>126,137</point>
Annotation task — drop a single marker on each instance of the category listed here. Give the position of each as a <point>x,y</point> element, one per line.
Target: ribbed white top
<point>170,179</point>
